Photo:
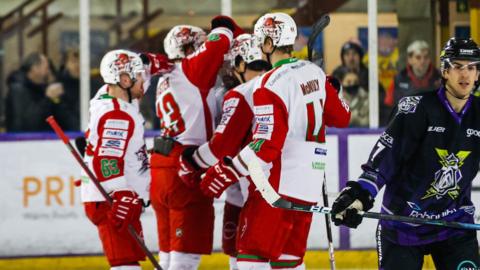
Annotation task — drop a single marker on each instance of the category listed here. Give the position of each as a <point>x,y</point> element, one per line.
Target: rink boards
<point>42,214</point>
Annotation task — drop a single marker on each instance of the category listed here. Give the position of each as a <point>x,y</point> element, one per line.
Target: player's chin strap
<point>128,89</point>
<point>458,97</point>
<point>269,54</point>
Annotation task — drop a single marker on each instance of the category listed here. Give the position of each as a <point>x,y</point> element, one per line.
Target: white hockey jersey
<point>116,152</point>
<point>292,105</point>
<point>186,103</point>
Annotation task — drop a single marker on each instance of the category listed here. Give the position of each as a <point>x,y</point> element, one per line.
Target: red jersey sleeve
<point>234,129</point>
<point>271,125</point>
<point>233,132</point>
<point>336,112</point>
<point>115,129</point>
<point>202,66</point>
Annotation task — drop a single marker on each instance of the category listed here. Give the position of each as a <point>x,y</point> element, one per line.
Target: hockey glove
<point>219,177</point>
<point>335,83</point>
<point>352,199</point>
<point>126,208</point>
<point>156,63</point>
<point>225,21</point>
<point>189,170</point>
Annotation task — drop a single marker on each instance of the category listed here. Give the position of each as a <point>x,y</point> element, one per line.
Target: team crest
<point>408,104</point>
<point>447,178</point>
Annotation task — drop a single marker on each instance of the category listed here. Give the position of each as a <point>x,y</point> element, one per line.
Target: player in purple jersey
<point>427,159</point>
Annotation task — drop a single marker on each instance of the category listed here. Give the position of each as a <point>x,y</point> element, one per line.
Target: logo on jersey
<point>386,139</point>
<point>265,109</point>
<point>469,209</point>
<point>265,119</point>
<point>437,129</point>
<point>229,107</point>
<point>110,152</point>
<point>417,212</point>
<point>447,178</point>
<point>142,156</point>
<point>115,134</point>
<point>473,132</point>
<point>408,104</point>
<point>116,123</point>
<point>108,143</point>
<point>467,265</point>
<point>264,122</point>
<point>320,151</point>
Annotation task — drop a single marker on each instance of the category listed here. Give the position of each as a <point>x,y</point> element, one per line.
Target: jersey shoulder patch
<point>408,105</point>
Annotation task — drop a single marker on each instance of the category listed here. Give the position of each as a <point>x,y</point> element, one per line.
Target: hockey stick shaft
<point>58,130</point>
<point>328,225</point>
<point>317,28</point>
<point>373,215</point>
<point>274,199</point>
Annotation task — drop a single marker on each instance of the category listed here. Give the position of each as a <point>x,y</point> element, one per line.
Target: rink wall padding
<point>42,214</point>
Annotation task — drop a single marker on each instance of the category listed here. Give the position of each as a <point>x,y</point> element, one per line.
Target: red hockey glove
<point>158,63</point>
<point>219,177</point>
<point>225,21</point>
<point>126,208</point>
<point>189,170</point>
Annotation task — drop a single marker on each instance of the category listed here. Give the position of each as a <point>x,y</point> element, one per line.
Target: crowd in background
<point>37,90</point>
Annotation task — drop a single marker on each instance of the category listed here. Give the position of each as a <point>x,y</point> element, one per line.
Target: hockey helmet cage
<point>118,62</point>
<point>182,35</point>
<point>280,27</point>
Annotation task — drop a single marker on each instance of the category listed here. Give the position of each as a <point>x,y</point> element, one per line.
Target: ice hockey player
<point>293,104</point>
<point>116,153</point>
<point>186,106</point>
<point>426,159</point>
<point>233,133</point>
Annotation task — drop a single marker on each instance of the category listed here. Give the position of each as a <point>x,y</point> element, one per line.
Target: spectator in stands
<point>69,76</point>
<point>351,55</point>
<point>419,76</point>
<point>356,96</point>
<point>31,98</point>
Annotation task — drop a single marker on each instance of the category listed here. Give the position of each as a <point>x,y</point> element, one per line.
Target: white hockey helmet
<point>247,47</point>
<point>118,62</point>
<point>280,27</point>
<point>181,35</point>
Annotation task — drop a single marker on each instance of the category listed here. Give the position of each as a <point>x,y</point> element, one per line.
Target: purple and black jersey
<point>426,159</point>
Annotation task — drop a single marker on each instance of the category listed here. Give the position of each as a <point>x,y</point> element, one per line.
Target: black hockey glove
<point>335,83</point>
<point>352,199</point>
<point>225,21</point>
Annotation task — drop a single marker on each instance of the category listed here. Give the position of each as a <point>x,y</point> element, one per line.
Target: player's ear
<point>267,45</point>
<point>241,67</point>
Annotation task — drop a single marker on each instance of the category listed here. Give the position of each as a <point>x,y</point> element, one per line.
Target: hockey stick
<point>328,224</point>
<point>58,130</point>
<point>274,199</point>
<point>317,28</point>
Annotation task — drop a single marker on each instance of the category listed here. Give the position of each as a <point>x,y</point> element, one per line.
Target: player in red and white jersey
<point>233,133</point>
<point>186,106</point>
<point>116,154</point>
<point>293,103</point>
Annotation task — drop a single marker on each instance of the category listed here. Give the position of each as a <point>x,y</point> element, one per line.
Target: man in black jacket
<point>30,98</point>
